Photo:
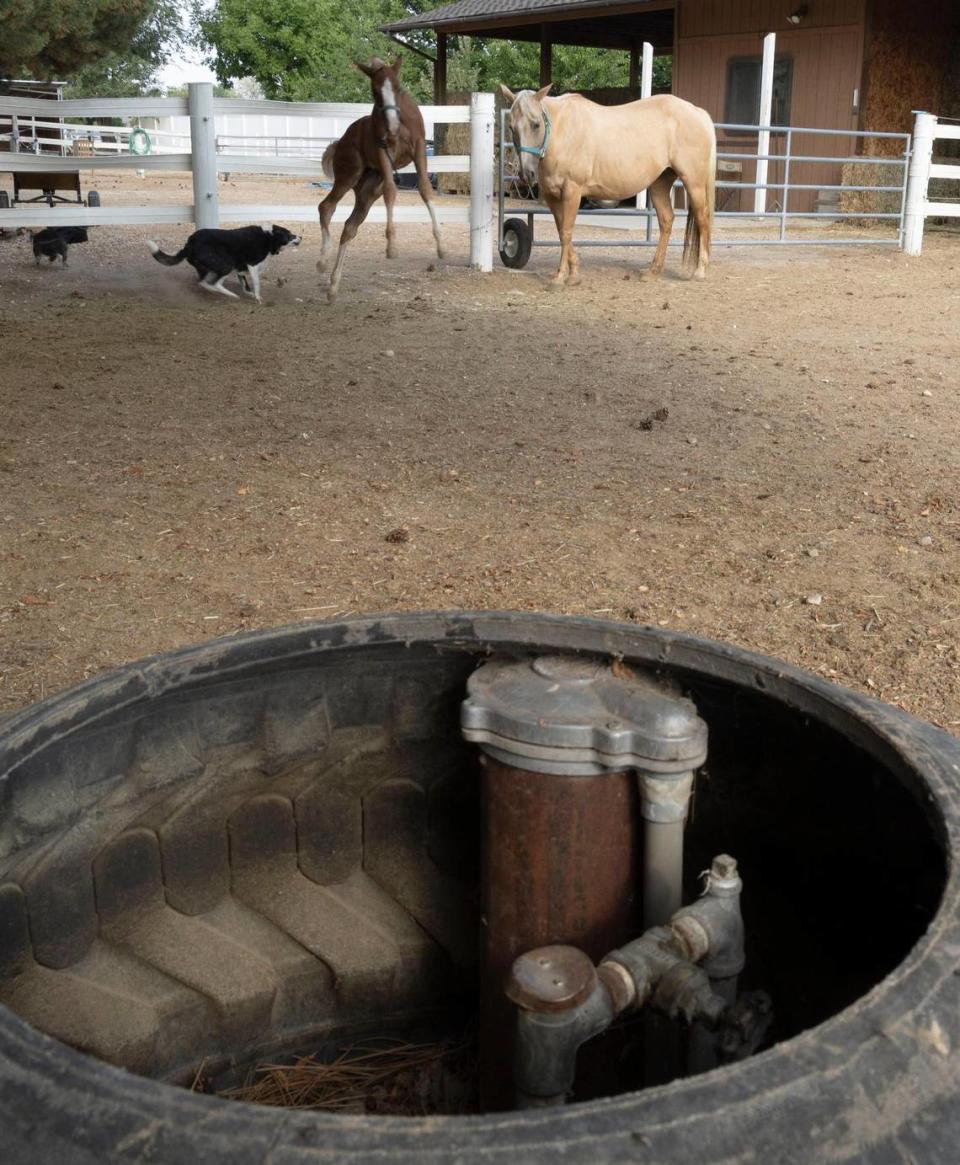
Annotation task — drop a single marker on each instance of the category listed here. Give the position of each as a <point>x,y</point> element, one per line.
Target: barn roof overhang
<point>610,24</point>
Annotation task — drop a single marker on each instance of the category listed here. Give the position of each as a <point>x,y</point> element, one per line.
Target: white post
<point>203,149</point>
<point>646,88</point>
<point>481,181</point>
<point>918,177</point>
<point>766,109</point>
<point>646,70</point>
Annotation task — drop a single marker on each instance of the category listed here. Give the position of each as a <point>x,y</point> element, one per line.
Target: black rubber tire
<point>93,198</point>
<point>4,200</point>
<point>517,243</point>
<point>877,1084</point>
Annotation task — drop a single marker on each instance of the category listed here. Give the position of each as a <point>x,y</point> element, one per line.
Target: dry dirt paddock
<point>769,458</point>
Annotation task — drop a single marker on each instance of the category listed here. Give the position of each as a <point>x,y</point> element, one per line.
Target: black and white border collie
<point>215,254</point>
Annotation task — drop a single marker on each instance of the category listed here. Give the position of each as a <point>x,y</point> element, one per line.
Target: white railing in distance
<point>205,164</point>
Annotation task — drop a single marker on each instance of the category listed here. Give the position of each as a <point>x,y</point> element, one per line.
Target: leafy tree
<point>47,38</point>
<point>303,50</point>
<point>517,64</point>
<point>133,72</point>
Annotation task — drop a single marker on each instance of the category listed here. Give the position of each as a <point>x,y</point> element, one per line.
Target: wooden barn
<point>840,64</point>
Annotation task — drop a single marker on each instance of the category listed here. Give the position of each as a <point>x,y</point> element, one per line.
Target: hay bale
<point>453,139</point>
<point>868,201</point>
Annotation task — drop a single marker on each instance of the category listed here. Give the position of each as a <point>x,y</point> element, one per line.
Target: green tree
<point>133,72</point>
<point>517,64</point>
<point>303,50</point>
<point>47,38</point>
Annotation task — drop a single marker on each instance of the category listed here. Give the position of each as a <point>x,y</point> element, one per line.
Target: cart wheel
<point>93,198</point>
<point>517,242</point>
<point>4,200</point>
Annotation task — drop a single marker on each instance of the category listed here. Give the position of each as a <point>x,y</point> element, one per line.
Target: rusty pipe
<point>559,867</point>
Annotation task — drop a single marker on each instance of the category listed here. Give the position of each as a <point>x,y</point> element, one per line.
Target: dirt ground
<point>768,458</point>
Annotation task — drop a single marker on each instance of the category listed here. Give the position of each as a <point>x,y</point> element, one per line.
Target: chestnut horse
<point>573,148</point>
<point>364,159</point>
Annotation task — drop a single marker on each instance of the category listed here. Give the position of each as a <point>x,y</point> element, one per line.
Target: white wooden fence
<point>927,129</point>
<point>204,161</point>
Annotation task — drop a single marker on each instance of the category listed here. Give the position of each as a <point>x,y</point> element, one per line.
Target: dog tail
<point>165,259</point>
<point>327,161</point>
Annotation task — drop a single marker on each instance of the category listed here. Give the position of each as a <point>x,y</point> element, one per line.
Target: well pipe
<point>560,736</point>
<point>563,1001</point>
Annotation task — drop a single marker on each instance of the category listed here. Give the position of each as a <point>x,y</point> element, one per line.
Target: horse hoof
<point>392,252</point>
<point>441,253</point>
<point>574,281</point>
<point>699,274</point>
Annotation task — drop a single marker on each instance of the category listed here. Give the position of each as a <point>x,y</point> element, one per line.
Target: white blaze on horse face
<point>527,127</point>
<point>390,107</point>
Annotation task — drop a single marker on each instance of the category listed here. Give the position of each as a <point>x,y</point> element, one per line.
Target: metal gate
<point>779,225</point>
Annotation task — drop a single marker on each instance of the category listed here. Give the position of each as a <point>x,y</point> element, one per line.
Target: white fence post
<point>918,178</point>
<point>203,148</point>
<point>481,181</point>
<point>646,89</point>
<point>766,110</point>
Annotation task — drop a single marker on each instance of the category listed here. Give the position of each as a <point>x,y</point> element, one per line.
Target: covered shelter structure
<point>606,24</point>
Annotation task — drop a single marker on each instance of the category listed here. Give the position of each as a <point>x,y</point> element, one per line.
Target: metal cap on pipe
<point>578,716</point>
<point>552,978</point>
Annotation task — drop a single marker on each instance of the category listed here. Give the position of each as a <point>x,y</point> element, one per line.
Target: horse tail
<point>692,242</point>
<point>327,160</point>
<point>712,179</point>
<point>691,239</point>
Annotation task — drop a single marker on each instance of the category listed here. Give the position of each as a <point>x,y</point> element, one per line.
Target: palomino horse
<point>388,138</point>
<point>574,148</point>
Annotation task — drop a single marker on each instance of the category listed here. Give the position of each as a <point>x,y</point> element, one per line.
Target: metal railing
<point>781,217</point>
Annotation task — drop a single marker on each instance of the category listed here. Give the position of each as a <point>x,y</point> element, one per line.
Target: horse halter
<point>538,151</point>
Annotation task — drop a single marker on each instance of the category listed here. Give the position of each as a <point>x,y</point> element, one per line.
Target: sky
<point>187,66</point>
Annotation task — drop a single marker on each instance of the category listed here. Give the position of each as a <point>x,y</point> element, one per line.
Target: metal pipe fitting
<point>562,1002</point>
<point>686,970</point>
<point>710,931</point>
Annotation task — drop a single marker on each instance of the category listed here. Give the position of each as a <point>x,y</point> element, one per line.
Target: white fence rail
<point>204,160</point>
<point>927,130</point>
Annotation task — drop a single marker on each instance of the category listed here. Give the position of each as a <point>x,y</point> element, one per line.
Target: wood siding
<point>728,17</point>
<point>827,62</point>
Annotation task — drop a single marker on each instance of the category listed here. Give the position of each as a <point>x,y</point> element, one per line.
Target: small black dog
<point>54,241</point>
<point>215,254</point>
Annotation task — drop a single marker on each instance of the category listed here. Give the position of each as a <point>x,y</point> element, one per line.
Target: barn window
<point>743,90</point>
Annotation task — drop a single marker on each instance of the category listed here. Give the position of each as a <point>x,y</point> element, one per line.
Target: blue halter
<point>538,151</point>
